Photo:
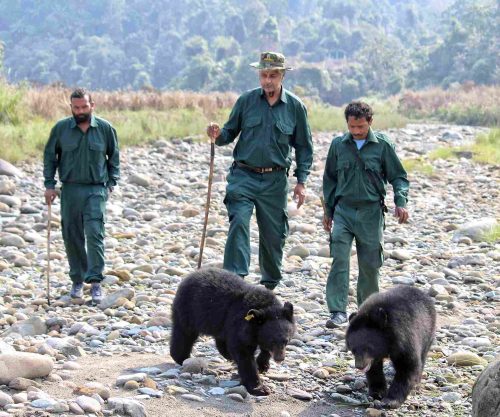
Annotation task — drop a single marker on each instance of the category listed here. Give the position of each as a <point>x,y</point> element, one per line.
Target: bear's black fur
<point>240,316</point>
<point>398,324</point>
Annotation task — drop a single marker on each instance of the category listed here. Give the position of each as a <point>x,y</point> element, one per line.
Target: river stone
<point>401,255</point>
<point>31,327</point>
<point>475,230</point>
<point>6,348</point>
<point>194,365</point>
<point>22,384</point>
<point>9,239</point>
<point>299,394</point>
<point>111,299</point>
<point>486,392</point>
<point>126,407</point>
<point>139,179</point>
<point>24,365</point>
<point>6,168</point>
<point>7,187</point>
<point>299,250</point>
<point>88,404</point>
<point>465,359</point>
<point>5,399</point>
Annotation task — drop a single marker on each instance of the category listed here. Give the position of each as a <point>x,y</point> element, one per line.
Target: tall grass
<point>326,118</point>
<point>467,104</point>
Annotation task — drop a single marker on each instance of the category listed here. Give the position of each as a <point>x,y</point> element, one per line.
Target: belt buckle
<point>267,169</point>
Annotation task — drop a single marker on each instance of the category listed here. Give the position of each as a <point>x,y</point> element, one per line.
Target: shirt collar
<point>369,138</point>
<point>282,96</point>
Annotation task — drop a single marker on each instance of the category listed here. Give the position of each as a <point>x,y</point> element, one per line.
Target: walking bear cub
<point>240,316</point>
<point>398,324</point>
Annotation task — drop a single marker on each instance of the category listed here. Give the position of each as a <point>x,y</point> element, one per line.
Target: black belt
<point>258,170</point>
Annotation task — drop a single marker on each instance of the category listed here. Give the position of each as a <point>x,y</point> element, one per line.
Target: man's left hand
<point>299,194</point>
<point>402,215</point>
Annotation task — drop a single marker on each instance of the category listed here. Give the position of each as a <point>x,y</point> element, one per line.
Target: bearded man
<point>83,149</point>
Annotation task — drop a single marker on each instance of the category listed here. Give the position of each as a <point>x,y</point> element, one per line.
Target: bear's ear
<point>380,317</point>
<point>352,315</point>
<point>288,311</point>
<point>255,316</point>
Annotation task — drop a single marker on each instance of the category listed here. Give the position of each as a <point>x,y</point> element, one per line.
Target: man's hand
<point>50,195</point>
<point>299,194</point>
<point>402,214</point>
<point>213,131</point>
<point>327,223</point>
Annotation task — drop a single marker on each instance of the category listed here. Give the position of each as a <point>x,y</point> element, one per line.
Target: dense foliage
<point>341,48</point>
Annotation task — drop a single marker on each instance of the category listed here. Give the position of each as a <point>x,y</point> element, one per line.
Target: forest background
<point>162,69</point>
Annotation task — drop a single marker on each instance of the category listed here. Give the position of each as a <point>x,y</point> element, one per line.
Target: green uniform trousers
<point>83,209</point>
<point>268,194</point>
<point>366,224</point>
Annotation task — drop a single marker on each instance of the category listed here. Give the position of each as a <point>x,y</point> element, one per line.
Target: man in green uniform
<point>84,150</point>
<point>270,121</point>
<point>358,166</point>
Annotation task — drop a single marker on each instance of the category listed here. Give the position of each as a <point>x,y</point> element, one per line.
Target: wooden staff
<point>49,220</point>
<point>207,206</point>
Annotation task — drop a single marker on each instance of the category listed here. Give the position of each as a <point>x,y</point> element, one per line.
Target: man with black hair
<point>84,150</point>
<point>358,166</point>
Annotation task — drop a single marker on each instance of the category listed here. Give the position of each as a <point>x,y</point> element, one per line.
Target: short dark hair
<point>80,93</point>
<point>358,110</point>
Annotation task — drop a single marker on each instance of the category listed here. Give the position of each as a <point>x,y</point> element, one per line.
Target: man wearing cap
<point>270,121</point>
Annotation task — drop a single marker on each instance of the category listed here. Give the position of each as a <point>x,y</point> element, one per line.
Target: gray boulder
<point>6,168</point>
<point>31,327</point>
<point>486,392</point>
<point>475,229</point>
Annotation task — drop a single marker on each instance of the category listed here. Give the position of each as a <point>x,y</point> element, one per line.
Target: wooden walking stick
<point>207,207</point>
<point>49,219</point>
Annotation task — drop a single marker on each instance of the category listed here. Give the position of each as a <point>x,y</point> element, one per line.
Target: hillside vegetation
<point>341,49</point>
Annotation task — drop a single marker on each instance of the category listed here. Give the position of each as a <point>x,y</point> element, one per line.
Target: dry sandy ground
<point>106,369</point>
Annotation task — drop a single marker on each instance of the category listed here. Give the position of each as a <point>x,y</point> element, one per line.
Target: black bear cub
<point>240,316</point>
<point>398,324</point>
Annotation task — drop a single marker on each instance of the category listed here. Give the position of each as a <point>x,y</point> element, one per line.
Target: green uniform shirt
<point>343,179</point>
<point>269,132</point>
<point>82,158</point>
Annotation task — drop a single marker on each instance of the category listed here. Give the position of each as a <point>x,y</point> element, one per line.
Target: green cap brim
<point>271,67</point>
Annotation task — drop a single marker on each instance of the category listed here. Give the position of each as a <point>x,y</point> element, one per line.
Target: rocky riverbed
<point>112,359</point>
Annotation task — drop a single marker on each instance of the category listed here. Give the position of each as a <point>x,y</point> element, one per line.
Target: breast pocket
<point>250,124</point>
<point>97,160</point>
<point>285,132</point>
<point>342,171</point>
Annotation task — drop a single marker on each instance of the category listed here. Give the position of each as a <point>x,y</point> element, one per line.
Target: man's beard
<point>81,118</point>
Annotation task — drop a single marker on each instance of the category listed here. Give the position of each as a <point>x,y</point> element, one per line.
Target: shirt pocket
<point>97,159</point>
<point>249,126</point>
<point>343,171</point>
<point>375,167</point>
<point>285,132</point>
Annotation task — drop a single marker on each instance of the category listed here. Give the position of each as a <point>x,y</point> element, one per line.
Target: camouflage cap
<point>271,60</point>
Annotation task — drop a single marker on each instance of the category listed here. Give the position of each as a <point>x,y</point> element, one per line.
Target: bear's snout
<point>278,354</point>
<point>363,363</point>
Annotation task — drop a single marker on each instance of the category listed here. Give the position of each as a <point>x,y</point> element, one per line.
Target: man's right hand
<point>50,195</point>
<point>213,131</point>
<point>327,223</point>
